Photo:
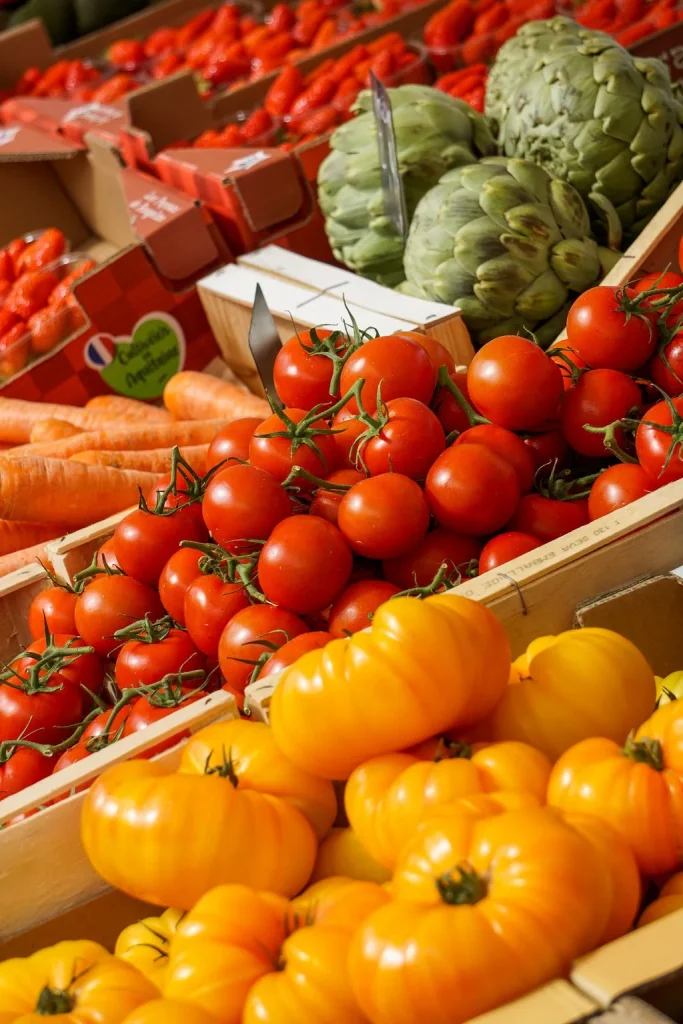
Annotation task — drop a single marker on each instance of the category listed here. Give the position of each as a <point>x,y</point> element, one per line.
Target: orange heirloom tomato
<point>437,664</point>
<point>566,688</point>
<point>342,853</point>
<point>669,900</point>
<point>145,944</point>
<point>75,982</point>
<point>169,1011</point>
<point>168,837</point>
<point>387,797</point>
<point>637,788</point>
<point>336,902</point>
<point>485,909</point>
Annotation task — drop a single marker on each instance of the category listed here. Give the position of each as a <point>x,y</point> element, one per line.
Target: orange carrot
<point>112,406</point>
<point>18,559</point>
<point>153,460</point>
<point>136,437</point>
<point>52,430</point>
<point>18,417</point>
<point>15,534</point>
<point>194,396</point>
<point>61,491</point>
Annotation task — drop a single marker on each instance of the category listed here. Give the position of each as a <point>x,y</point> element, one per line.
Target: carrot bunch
<point>468,84</point>
<point>467,32</point>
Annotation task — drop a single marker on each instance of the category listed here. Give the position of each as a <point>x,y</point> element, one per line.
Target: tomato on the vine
<point>618,486</point>
<point>514,383</point>
<point>231,443</point>
<point>144,541</point>
<point>293,650</point>
<point>144,712</point>
<point>660,451</point>
<point>73,755</point>
<point>209,605</point>
<point>401,365</point>
<point>106,556</point>
<point>562,354</point>
<point>472,490</point>
<point>665,368</point>
<point>407,439</point>
<point>302,375</point>
<point>244,503</point>
<point>347,429</point>
<point>599,398</point>
<point>438,353</point>
<point>53,608</point>
<point>548,518</point>
<point>83,671</point>
<point>548,449</point>
<point>658,280</point>
<point>184,502</point>
<point>606,336</point>
<point>110,603</point>
<point>101,728</point>
<point>450,414</point>
<point>22,768</point>
<point>45,711</point>
<point>248,640</point>
<point>326,502</point>
<point>354,608</point>
<point>440,547</point>
<point>304,565</point>
<point>314,451</point>
<point>384,516</point>
<point>180,571</point>
<point>509,446</point>
<point>504,547</point>
<point>161,650</point>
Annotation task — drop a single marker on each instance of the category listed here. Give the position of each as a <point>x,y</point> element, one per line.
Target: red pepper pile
<point>471,31</point>
<point>629,21</point>
<point>468,84</point>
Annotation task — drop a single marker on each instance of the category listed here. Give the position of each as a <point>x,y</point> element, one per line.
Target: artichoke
<point>434,133</point>
<point>577,103</point>
<point>505,243</point>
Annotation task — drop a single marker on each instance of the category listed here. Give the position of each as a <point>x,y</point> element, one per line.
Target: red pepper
<point>477,48</point>
<point>226,22</point>
<point>231,136</point>
<point>271,51</point>
<point>361,70</point>
<point>490,20</point>
<point>194,27</point>
<point>53,78</point>
<point>305,29</point>
<point>326,35</point>
<point>317,95</point>
<point>634,34</point>
<point>346,94</point>
<point>114,88</point>
<point>210,139</point>
<point>382,66</point>
<point>284,90</point>
<point>385,42</point>
<point>230,63</point>
<point>476,98</point>
<point>160,41</point>
<point>257,124</point>
<point>344,66</point>
<point>318,122</point>
<point>167,65</point>
<point>326,68</point>
<point>281,18</point>
<point>254,40</point>
<point>247,24</point>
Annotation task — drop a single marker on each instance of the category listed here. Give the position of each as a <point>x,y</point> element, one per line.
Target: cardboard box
<point>302,293</point>
<point>142,319</point>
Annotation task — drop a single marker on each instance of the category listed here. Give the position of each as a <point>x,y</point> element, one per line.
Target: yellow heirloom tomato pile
<point>504,818</point>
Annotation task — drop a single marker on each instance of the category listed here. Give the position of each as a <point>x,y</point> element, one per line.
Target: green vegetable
<point>577,103</point>
<point>92,15</point>
<point>434,132</point>
<point>58,16</point>
<point>505,243</point>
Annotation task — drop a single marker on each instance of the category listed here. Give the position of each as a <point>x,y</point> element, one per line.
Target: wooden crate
<point>74,552</point>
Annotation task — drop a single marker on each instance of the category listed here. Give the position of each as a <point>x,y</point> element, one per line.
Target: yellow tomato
<point>669,900</point>
<point>169,1011</point>
<point>582,683</point>
<point>421,668</point>
<point>72,982</point>
<point>145,944</point>
<point>669,688</point>
<point>342,853</point>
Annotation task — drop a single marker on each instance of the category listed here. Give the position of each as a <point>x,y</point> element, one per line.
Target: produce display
<point>468,84</point>
<point>629,21</point>
<point>467,32</point>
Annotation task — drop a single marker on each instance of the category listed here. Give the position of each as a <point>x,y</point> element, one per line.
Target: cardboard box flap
<point>38,199</point>
<point>65,117</point>
<point>21,142</point>
<point>555,1003</point>
<point>23,47</point>
<point>172,114</point>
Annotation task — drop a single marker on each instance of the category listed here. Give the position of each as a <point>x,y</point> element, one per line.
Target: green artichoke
<point>505,243</point>
<point>434,133</point>
<point>577,103</point>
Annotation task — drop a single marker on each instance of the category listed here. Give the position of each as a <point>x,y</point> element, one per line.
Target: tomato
<point>472,490</point>
<point>451,416</point>
<point>52,609</point>
<point>668,377</point>
<point>249,637</point>
<point>22,768</point>
<point>514,383</point>
<point>402,367</point>
<point>278,455</point>
<point>369,519</point>
<point>618,486</point>
<point>548,518</point>
<point>562,360</point>
<point>409,438</point>
<point>186,508</point>
<point>209,605</point>
<point>669,279</point>
<point>244,502</point>
<point>44,712</point>
<point>326,502</point>
<point>144,542</point>
<point>304,565</point>
<point>84,670</point>
<point>660,452</point>
<point>506,444</point>
<point>302,378</point>
<point>293,649</point>
<point>604,336</point>
<point>669,900</point>
<point>146,943</point>
<point>231,443</point>
<point>548,448</point>
<point>109,603</point>
<point>341,855</point>
<point>438,664</point>
<point>419,567</point>
<point>347,429</point>
<point>354,608</point>
<point>438,353</point>
<point>169,1011</point>
<point>144,713</point>
<point>159,651</point>
<point>106,556</point>
<point>599,398</point>
<point>102,729</point>
<point>180,571</point>
<point>73,755</point>
<point>504,548</point>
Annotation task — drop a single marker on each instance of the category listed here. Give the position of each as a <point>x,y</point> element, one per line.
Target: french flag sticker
<point>99,351</point>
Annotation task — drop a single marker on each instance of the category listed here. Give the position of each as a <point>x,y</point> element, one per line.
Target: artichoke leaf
<point>542,298</point>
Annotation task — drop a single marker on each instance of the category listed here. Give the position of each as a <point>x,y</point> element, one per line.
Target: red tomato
<point>451,416</point>
<point>248,640</point>
<point>472,490</point>
<point>107,554</point>
<point>384,516</point>
<point>347,428</point>
<point>439,355</point>
<point>514,383</point>
<point>184,501</point>
<point>565,368</point>
<point>618,486</point>
<point>231,443</point>
<point>504,547</point>
<point>109,603</point>
<point>599,398</point>
<point>85,670</point>
<point>144,713</point>
<point>668,377</point>
<point>302,378</point>
<point>142,662</point>
<point>548,518</point>
<point>100,729</point>
<point>181,569</point>
<point>353,610</point>
<point>506,444</point>
<point>326,503</point>
<point>659,452</point>
<point>304,565</point>
<point>277,455</point>
<point>144,542</point>
<point>399,364</point>
<point>419,567</point>
<point>42,716</point>
<point>243,502</point>
<point>209,605</point>
<point>408,442</point>
<point>603,336</point>
<point>73,755</point>
<point>293,650</point>
<point>548,448</point>
<point>658,280</point>
<point>53,608</point>
<point>22,768</point>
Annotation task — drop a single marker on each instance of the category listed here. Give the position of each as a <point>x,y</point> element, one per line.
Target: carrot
<point>60,491</point>
<point>18,417</point>
<point>136,437</point>
<point>18,559</point>
<point>15,534</point>
<point>154,460</point>
<point>52,430</point>
<point>112,406</point>
<point>193,396</point>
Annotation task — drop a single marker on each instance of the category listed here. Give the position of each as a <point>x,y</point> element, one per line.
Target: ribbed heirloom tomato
<point>304,565</point>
